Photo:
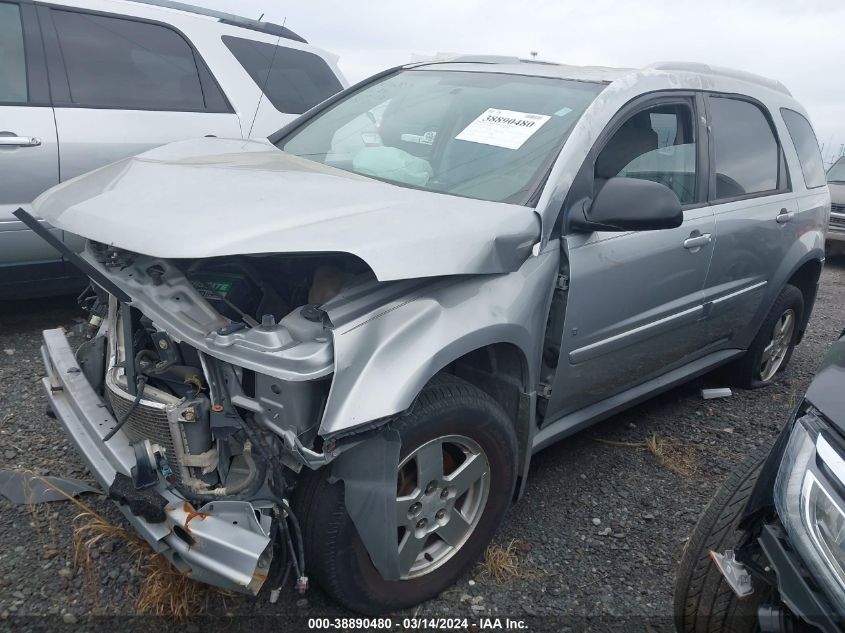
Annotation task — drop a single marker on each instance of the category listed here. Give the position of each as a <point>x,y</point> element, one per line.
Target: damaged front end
<point>198,403</point>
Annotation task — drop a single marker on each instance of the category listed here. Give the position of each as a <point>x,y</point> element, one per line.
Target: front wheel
<point>454,483</point>
<point>704,602</point>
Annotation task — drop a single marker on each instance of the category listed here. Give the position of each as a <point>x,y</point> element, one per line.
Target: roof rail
<point>228,18</point>
<point>742,75</point>
<point>484,59</point>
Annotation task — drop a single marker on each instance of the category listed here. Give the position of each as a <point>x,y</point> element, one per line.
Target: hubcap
<point>441,492</point>
<point>775,351</point>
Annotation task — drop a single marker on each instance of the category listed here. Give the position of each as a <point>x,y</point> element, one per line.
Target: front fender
<point>384,358</point>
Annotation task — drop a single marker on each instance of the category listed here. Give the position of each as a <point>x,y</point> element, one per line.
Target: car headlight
<point>810,505</point>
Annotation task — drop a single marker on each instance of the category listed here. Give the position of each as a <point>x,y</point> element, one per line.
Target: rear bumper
<point>223,545</point>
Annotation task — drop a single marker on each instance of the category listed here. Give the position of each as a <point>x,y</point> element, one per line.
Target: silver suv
<point>86,82</point>
<point>347,342</point>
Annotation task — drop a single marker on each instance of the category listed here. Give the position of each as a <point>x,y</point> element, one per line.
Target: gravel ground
<point>598,532</point>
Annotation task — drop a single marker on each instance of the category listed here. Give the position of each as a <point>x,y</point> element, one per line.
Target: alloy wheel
<point>778,346</point>
<point>442,489</point>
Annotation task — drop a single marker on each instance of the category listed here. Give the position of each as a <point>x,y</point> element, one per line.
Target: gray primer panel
<point>368,472</point>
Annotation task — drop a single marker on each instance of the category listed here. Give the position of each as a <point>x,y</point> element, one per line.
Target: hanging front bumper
<point>222,544</point>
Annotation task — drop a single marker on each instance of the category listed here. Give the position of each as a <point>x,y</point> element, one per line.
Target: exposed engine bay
<point>212,430</point>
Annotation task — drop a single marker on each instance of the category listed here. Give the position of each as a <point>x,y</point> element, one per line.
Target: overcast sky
<point>804,47</point>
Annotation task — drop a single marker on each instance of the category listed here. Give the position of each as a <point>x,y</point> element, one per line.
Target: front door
<point>635,298</point>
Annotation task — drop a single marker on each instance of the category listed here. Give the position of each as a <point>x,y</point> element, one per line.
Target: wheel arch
<point>502,371</point>
<point>806,279</point>
<point>494,359</point>
<point>801,268</point>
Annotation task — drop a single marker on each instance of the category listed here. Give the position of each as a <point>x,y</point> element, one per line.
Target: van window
<point>12,61</point>
<point>807,147</point>
<point>746,152</point>
<point>836,173</point>
<point>656,144</point>
<point>292,80</point>
<point>117,63</point>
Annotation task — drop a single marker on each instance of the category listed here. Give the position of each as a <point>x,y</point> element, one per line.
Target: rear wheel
<point>771,349</point>
<point>454,483</point>
<point>704,602</point>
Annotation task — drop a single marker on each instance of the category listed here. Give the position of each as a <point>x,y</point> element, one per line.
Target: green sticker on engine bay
<point>215,285</point>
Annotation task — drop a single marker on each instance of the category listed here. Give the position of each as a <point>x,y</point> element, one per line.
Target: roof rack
<point>228,18</point>
<point>742,75</point>
<point>483,59</point>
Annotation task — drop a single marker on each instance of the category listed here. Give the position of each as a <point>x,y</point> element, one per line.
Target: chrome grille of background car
<point>837,208</point>
<point>837,223</point>
<point>146,422</point>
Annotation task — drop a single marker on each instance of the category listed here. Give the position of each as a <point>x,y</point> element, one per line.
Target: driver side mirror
<point>629,204</point>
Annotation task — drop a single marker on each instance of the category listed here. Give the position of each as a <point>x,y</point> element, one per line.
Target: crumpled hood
<point>213,197</point>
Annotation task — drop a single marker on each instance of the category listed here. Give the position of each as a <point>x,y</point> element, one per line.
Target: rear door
<point>756,215</point>
<point>29,156</point>
<point>123,85</point>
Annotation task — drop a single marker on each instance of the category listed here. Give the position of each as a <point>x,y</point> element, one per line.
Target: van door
<point>634,303</point>
<point>122,85</point>
<point>29,156</point>
<point>755,215</point>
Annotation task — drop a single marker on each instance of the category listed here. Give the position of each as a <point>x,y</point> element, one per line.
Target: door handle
<point>783,216</point>
<point>19,141</point>
<point>697,241</point>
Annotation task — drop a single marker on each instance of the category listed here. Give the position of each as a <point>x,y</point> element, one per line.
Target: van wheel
<point>454,483</point>
<point>704,602</point>
<point>771,349</point>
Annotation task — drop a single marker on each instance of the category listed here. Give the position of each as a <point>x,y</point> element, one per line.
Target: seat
<point>635,138</point>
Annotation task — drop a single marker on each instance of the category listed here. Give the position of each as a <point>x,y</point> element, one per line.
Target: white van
<point>84,83</point>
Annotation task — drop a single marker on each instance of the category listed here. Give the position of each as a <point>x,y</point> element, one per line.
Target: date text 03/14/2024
<point>413,624</point>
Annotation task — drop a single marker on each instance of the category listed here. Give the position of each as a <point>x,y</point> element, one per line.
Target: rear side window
<point>807,147</point>
<point>292,80</point>
<point>12,61</point>
<point>117,63</point>
<point>747,155</point>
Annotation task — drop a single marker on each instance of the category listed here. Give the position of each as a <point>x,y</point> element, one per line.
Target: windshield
<point>481,135</point>
<point>837,172</point>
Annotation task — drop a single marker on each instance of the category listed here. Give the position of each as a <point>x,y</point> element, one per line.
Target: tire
<point>704,602</point>
<point>748,372</point>
<point>447,407</point>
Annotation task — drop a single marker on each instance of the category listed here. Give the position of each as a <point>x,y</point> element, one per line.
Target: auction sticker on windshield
<point>503,128</point>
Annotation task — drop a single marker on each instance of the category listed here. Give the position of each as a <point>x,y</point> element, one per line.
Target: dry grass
<point>502,564</point>
<point>164,591</point>
<point>674,456</point>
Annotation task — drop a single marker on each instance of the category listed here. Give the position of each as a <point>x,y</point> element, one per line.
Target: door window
<point>12,60</point>
<point>293,80</point>
<point>807,147</point>
<point>117,63</point>
<point>746,152</point>
<point>656,144</point>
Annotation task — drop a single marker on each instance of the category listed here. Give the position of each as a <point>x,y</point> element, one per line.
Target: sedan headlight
<point>810,504</point>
